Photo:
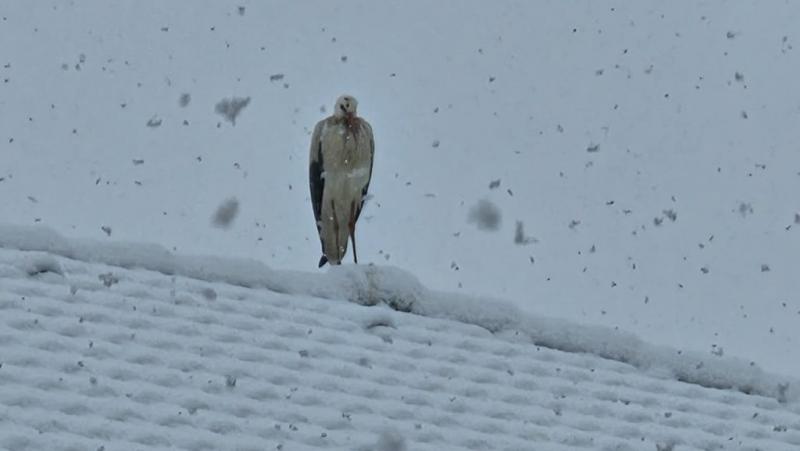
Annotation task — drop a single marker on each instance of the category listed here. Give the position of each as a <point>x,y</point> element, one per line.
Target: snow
<point>385,285</point>
<point>97,356</point>
<point>615,183</point>
<point>229,108</point>
<point>486,216</point>
<point>226,213</point>
<point>391,441</point>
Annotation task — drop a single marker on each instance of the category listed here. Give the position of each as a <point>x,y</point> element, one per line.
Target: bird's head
<point>345,106</point>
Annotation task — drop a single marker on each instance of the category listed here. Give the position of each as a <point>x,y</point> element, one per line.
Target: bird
<point>339,172</point>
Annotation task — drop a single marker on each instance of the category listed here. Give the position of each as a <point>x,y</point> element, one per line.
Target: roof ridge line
<point>401,291</point>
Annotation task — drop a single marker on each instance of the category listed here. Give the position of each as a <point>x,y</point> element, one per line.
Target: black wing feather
<point>316,183</point>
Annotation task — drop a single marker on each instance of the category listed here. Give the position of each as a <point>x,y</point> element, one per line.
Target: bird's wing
<point>368,129</point>
<point>315,180</point>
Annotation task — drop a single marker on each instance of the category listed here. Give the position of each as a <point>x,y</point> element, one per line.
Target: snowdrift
<point>373,285</point>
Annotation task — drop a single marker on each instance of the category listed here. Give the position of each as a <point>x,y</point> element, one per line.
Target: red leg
<point>336,231</point>
<point>352,225</point>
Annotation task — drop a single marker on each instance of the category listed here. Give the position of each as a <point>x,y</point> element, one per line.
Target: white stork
<point>340,169</point>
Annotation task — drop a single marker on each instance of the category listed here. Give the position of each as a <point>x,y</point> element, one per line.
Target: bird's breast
<point>344,153</point>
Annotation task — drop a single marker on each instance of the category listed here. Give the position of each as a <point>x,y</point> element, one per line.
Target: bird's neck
<point>352,122</point>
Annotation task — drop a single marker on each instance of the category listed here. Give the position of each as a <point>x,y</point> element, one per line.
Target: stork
<point>340,169</point>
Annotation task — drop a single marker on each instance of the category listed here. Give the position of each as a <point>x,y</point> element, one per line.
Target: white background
<point>515,91</point>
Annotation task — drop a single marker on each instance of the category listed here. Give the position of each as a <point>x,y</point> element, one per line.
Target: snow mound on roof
<point>372,285</point>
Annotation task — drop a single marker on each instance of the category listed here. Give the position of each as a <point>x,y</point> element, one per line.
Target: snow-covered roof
<point>125,347</point>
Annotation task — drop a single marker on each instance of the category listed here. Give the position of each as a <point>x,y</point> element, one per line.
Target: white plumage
<point>340,169</point>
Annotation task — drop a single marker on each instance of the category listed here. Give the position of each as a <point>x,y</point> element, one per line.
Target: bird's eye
<point>343,108</point>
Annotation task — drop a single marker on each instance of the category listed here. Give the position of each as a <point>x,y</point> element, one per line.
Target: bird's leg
<point>336,231</point>
<point>352,225</point>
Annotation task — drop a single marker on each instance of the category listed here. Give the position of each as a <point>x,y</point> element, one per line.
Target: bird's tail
<point>322,261</point>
